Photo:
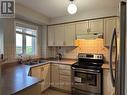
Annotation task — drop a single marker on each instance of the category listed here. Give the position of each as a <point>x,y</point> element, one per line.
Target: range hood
<point>89,36</point>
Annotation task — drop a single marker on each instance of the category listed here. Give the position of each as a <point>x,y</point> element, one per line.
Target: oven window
<point>87,78</point>
<point>82,76</point>
<point>92,79</point>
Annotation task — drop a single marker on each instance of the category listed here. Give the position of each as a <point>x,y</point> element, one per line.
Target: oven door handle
<point>86,70</point>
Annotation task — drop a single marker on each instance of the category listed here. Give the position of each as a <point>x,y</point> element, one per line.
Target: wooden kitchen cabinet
<point>59,35</point>
<point>82,27</point>
<point>96,26</point>
<point>51,34</point>
<point>107,85</point>
<point>70,34</point>
<point>61,76</point>
<point>109,25</point>
<point>42,72</point>
<point>89,27</point>
<point>55,82</point>
<point>65,77</point>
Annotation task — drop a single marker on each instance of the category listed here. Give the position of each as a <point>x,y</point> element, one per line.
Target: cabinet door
<point>65,82</point>
<point>81,27</point>
<point>46,76</point>
<point>37,72</point>
<point>55,75</point>
<point>42,72</point>
<point>109,25</point>
<point>59,35</point>
<point>69,34</point>
<point>96,26</point>
<point>51,36</point>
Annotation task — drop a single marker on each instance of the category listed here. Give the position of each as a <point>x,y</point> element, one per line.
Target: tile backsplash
<point>83,46</point>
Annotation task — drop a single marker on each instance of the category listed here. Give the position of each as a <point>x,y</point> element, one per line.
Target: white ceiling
<point>58,8</point>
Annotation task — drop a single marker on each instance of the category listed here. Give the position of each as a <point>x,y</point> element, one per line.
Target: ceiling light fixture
<point>72,8</point>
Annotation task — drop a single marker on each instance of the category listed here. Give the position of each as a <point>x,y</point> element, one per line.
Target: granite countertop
<point>15,79</point>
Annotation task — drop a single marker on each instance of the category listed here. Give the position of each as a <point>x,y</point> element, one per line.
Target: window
<point>25,41</point>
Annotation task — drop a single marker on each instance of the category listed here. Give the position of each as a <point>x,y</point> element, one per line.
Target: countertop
<point>107,66</point>
<point>52,61</point>
<point>15,79</point>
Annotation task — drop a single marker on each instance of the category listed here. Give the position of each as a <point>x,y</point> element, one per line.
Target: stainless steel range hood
<point>89,36</point>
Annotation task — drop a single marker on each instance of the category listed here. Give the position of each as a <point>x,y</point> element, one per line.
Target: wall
<point>86,15</point>
<point>31,15</point>
<point>9,39</point>
<point>84,46</point>
<point>45,50</point>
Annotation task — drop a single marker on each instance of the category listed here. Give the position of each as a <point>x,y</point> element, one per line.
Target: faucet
<point>59,56</point>
<point>30,59</point>
<point>20,59</point>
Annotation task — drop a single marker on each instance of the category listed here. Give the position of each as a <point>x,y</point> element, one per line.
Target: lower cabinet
<point>61,76</point>
<point>42,72</point>
<point>107,85</point>
<point>33,90</point>
<point>55,75</point>
<point>65,77</point>
<point>55,82</point>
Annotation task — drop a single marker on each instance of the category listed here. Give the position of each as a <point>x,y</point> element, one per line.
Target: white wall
<point>30,15</point>
<point>45,50</point>
<point>9,39</point>
<point>86,15</point>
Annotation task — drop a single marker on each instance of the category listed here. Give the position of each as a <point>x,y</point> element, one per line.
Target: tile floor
<point>54,92</point>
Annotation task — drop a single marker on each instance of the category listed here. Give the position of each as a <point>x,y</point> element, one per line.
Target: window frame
<point>24,34</point>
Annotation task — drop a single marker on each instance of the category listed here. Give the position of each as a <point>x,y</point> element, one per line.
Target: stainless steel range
<point>87,75</point>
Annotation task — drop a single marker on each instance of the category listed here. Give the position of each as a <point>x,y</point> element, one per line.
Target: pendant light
<point>72,8</point>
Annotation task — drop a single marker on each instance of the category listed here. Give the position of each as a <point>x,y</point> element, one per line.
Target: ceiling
<point>58,8</point>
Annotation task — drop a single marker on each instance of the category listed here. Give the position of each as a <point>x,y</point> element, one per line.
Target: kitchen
<point>49,50</point>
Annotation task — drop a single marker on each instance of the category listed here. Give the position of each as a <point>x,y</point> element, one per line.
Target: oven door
<point>87,80</point>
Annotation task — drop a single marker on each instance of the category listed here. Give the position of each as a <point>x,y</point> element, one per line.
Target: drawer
<point>65,72</point>
<point>65,78</point>
<point>65,87</point>
<point>53,64</point>
<point>65,67</point>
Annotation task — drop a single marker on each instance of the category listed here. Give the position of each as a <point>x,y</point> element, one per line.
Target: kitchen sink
<point>35,62</point>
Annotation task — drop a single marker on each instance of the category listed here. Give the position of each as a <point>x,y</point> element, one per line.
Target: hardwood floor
<point>54,92</point>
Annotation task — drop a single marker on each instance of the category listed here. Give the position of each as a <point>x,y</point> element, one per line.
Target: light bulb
<point>72,8</point>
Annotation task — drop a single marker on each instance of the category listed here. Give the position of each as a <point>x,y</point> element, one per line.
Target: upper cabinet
<point>51,35</point>
<point>66,34</point>
<point>109,25</point>
<point>70,34</point>
<point>89,29</point>
<point>96,26</point>
<point>81,27</point>
<point>61,35</point>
